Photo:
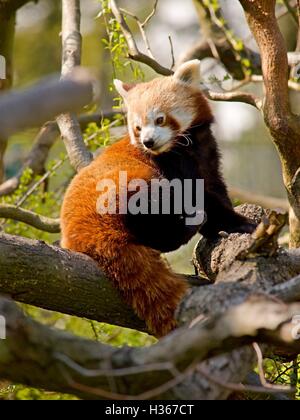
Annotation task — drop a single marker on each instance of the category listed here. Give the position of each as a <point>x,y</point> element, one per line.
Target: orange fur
<point>139,272</point>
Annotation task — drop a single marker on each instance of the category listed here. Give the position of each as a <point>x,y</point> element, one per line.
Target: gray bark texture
<point>253,283</point>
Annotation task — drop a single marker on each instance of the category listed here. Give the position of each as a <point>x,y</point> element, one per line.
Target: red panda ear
<point>123,88</point>
<point>189,72</point>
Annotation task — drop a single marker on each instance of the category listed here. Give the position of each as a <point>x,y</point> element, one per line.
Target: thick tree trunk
<point>284,126</point>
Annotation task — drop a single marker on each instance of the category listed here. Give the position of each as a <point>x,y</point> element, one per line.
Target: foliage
<point>237,44</point>
<point>281,372</point>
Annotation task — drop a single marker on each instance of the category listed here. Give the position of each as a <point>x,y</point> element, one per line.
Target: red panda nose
<point>149,143</point>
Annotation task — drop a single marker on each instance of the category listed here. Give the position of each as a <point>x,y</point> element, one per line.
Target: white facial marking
<point>161,135</point>
<point>148,132</point>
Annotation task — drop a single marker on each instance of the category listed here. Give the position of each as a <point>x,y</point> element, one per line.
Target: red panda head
<point>161,111</point>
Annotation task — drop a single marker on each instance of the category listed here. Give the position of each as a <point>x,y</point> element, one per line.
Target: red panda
<point>169,137</point>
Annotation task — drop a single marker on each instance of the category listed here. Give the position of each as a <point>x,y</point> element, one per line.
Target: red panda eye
<point>138,128</point>
<point>160,120</point>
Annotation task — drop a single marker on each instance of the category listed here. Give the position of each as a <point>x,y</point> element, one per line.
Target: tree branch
<point>67,282</point>
<point>71,58</point>
<point>244,97</point>
<point>30,218</point>
<point>142,26</point>
<point>69,94</point>
<point>134,53</point>
<point>72,283</point>
<point>262,21</point>
<point>84,368</point>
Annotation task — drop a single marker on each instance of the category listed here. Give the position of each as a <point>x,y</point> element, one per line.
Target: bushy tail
<point>146,283</point>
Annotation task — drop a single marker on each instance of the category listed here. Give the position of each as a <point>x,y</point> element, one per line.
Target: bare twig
<point>36,185</point>
<point>142,26</point>
<point>35,220</point>
<point>71,57</point>
<point>148,18</point>
<point>134,52</point>
<point>172,52</point>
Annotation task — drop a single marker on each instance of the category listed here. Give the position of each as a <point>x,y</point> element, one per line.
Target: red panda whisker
<point>185,135</point>
<point>187,138</point>
<point>182,144</point>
